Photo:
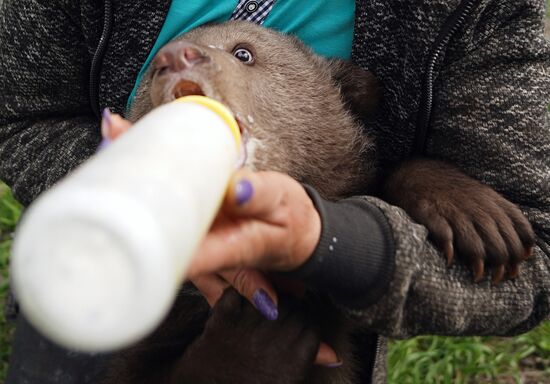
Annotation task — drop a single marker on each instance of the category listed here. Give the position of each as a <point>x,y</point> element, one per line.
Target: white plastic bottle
<point>97,259</point>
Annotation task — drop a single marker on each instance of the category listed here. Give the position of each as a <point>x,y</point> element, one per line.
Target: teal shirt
<point>324,25</point>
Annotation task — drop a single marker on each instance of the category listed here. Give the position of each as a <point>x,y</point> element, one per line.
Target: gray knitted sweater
<point>481,86</point>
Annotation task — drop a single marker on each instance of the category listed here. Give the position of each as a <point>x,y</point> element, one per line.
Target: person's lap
<point>36,360</point>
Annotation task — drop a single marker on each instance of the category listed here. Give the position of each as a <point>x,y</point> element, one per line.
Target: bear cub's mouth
<point>187,88</point>
<point>190,88</point>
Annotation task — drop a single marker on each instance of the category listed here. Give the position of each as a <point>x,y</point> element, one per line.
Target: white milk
<point>97,259</point>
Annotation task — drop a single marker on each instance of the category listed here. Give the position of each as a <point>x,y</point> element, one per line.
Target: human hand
<point>267,221</point>
<point>250,283</point>
<point>255,220</point>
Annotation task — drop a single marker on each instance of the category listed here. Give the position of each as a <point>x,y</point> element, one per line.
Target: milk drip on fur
<point>98,259</point>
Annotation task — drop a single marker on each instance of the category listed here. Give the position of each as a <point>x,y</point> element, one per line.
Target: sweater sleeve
<point>46,125</point>
<point>490,118</point>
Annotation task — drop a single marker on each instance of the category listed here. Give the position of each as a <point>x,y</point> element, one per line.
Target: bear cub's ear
<point>358,87</point>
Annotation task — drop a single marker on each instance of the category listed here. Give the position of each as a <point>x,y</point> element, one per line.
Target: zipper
<point>376,353</point>
<point>98,58</point>
<point>452,25</point>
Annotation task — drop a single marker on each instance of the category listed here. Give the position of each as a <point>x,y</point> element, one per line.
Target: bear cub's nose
<point>178,56</point>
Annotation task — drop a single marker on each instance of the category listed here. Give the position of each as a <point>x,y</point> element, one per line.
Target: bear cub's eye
<point>243,54</point>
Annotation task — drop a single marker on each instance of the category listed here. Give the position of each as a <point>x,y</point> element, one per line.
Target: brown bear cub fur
<point>302,115</point>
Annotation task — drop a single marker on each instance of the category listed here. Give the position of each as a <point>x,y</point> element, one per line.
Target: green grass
<point>429,359</point>
<point>10,211</point>
<point>524,359</point>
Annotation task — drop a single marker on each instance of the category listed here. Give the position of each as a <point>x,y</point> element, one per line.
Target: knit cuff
<point>353,262</point>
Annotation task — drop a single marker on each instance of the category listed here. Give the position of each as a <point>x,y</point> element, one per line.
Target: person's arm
<point>491,120</point>
<point>46,124</point>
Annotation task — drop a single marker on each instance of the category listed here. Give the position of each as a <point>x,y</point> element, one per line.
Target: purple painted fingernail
<point>334,365</point>
<point>106,115</point>
<point>106,122</point>
<point>265,305</point>
<point>243,191</point>
<point>104,143</point>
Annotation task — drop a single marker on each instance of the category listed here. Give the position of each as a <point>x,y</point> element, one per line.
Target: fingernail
<point>106,122</point>
<point>104,143</point>
<point>334,365</point>
<point>243,191</point>
<point>265,305</point>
